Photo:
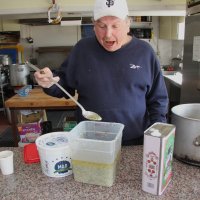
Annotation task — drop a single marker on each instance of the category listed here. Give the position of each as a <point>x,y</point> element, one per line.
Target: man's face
<point>111,32</point>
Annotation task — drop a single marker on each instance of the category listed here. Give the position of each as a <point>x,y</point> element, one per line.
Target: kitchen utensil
<point>54,8</point>
<point>186,118</point>
<point>19,74</point>
<point>87,114</point>
<point>175,63</point>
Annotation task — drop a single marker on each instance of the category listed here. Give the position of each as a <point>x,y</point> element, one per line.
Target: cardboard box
<point>29,132</point>
<point>157,157</point>
<point>29,127</point>
<point>30,116</point>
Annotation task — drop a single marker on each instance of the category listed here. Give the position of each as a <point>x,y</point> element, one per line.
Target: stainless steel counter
<point>175,79</point>
<point>28,182</point>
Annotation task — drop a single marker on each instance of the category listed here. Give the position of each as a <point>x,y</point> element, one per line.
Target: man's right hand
<point>44,77</point>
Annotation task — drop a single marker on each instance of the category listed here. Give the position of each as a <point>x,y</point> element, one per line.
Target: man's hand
<point>44,77</point>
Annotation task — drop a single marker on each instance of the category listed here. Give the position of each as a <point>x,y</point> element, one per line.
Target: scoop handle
<point>58,85</point>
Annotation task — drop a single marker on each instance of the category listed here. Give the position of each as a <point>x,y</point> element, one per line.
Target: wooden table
<point>36,99</point>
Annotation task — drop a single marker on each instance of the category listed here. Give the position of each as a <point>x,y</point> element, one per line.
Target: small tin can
<point>157,157</point>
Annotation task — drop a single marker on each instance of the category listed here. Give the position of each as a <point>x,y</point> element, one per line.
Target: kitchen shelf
<point>141,27</point>
<point>140,19</point>
<point>54,49</point>
<point>141,24</point>
<point>142,33</point>
<point>9,37</point>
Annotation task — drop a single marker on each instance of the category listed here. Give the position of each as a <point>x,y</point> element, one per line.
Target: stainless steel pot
<point>186,118</point>
<point>5,60</point>
<point>19,74</point>
<point>176,63</point>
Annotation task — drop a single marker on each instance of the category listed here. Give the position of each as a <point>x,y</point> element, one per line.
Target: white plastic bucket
<point>54,154</point>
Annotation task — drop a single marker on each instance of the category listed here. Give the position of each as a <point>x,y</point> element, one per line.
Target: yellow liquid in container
<point>95,173</point>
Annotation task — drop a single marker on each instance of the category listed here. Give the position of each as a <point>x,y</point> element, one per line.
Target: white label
<point>196,49</point>
<point>151,163</point>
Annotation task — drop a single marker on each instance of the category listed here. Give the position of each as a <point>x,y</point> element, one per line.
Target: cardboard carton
<point>157,157</point>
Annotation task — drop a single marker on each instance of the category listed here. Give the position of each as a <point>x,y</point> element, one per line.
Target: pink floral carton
<point>29,132</point>
<point>157,157</point>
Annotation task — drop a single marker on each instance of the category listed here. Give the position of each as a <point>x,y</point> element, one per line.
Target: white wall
<point>165,51</point>
<point>177,48</point>
<point>169,49</point>
<point>48,36</point>
<point>56,35</point>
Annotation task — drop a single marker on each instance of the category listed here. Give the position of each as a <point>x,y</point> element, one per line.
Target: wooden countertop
<point>38,99</point>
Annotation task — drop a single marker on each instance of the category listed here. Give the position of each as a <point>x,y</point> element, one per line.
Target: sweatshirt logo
<point>132,66</point>
<point>110,3</point>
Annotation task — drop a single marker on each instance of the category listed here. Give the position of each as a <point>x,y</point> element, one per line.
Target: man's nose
<point>108,32</point>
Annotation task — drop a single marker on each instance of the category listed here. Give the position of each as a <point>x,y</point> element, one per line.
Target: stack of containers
<point>95,151</point>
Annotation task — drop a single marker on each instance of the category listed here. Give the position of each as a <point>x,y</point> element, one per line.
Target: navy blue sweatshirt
<point>124,86</point>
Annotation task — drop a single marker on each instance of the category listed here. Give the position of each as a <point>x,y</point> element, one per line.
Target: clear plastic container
<point>95,151</point>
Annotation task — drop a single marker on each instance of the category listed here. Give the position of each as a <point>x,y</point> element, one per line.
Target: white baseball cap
<point>116,8</point>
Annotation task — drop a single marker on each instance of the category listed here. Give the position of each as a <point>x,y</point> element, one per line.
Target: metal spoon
<point>87,114</point>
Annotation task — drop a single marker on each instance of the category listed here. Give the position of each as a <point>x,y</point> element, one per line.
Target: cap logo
<point>115,8</point>
<point>110,3</point>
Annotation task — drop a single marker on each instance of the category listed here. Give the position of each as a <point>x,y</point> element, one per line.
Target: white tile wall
<point>177,48</point>
<point>165,51</point>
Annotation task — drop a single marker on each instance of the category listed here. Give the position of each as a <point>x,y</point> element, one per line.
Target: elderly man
<point>116,75</point>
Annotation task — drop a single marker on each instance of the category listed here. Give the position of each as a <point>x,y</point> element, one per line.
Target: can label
<point>152,165</point>
<point>157,157</point>
<point>167,161</point>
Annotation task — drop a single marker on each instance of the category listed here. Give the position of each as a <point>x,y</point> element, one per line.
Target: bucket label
<point>62,167</point>
<point>57,167</point>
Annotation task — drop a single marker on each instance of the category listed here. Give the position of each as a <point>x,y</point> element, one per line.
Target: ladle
<point>87,114</point>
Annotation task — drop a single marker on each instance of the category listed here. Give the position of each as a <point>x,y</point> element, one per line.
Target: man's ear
<point>128,21</point>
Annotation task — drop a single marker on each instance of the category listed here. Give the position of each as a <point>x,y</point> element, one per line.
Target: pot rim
<point>177,109</point>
